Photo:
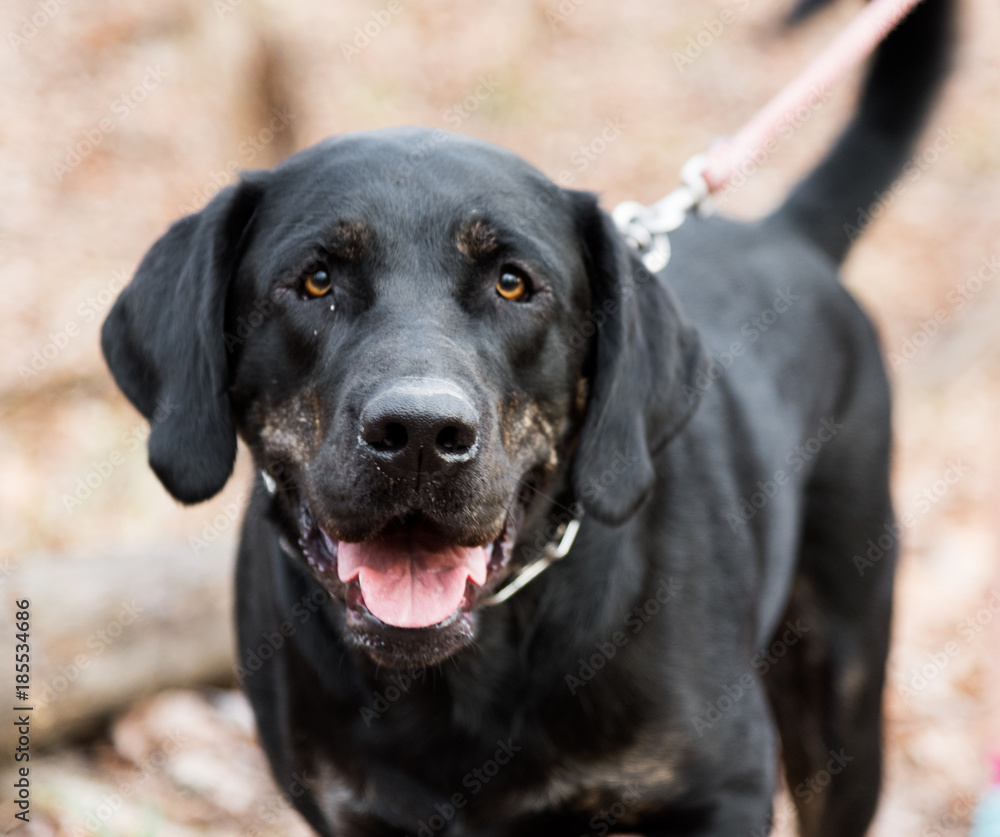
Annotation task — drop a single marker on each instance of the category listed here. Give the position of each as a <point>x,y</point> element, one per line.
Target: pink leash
<point>852,46</point>
<point>646,227</point>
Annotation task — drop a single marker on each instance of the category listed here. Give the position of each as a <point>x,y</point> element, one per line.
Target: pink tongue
<point>411,581</point>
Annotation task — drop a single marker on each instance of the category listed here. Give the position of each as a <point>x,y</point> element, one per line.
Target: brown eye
<point>317,284</point>
<point>512,285</point>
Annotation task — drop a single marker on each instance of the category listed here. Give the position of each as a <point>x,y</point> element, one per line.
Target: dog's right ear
<point>164,343</point>
<point>647,359</point>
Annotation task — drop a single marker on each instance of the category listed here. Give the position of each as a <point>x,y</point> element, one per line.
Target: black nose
<point>420,425</point>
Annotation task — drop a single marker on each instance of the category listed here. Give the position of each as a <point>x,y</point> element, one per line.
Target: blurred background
<point>119,117</point>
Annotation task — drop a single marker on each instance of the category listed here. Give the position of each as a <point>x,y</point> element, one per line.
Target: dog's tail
<point>832,204</point>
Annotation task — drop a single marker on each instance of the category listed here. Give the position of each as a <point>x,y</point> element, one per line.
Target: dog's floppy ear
<point>164,344</point>
<point>642,372</point>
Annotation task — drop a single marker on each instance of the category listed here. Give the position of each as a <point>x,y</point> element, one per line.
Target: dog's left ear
<point>642,375</point>
<point>164,343</point>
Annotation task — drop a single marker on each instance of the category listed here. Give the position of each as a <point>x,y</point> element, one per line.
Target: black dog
<point>441,361</point>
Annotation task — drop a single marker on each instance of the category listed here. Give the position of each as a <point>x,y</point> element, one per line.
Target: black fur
<point>724,428</point>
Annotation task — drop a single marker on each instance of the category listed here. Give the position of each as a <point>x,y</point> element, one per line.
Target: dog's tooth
<point>328,542</point>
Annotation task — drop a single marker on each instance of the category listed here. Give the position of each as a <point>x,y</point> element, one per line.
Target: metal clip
<point>646,228</point>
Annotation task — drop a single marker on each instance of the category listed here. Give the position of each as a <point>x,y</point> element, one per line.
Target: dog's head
<point>424,339</point>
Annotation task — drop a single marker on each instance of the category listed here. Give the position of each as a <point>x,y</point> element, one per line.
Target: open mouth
<point>409,575</point>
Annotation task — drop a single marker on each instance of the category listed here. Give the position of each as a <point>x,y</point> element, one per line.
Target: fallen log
<point>110,627</point>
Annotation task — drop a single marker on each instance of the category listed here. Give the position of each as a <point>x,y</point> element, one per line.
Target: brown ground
<point>216,72</point>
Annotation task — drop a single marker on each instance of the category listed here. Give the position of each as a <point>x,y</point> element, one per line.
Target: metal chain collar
<point>529,572</point>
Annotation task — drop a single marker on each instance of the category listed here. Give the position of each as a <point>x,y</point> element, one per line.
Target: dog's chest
<point>506,785</point>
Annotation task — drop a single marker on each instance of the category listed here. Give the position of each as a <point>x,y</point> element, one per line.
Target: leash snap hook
<point>646,228</point>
